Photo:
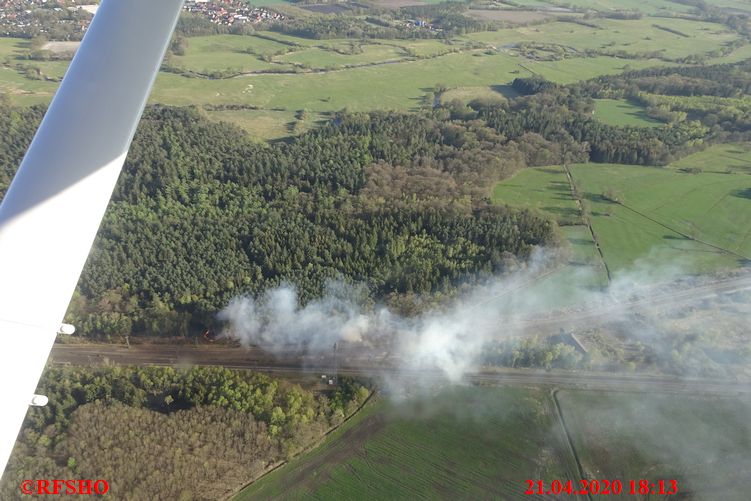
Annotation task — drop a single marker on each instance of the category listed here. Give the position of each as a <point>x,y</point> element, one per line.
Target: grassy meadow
<point>661,207</point>
<point>692,219</point>
<point>283,74</point>
<point>623,113</point>
<point>546,190</point>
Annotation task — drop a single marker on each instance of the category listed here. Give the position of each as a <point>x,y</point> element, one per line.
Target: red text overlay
<point>603,487</point>
<point>60,486</point>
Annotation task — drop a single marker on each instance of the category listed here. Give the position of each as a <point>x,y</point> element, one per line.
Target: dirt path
<point>569,440</point>
<point>684,235</point>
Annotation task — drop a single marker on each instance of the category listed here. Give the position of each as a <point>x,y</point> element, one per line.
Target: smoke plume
<point>451,339</point>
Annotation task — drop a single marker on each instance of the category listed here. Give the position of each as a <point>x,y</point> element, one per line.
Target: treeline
<point>448,16</point>
<point>698,104</point>
<point>722,80</point>
<point>18,125</point>
<point>533,352</point>
<point>562,116</point>
<point>442,20</point>
<point>717,96</point>
<point>395,201</point>
<point>194,25</point>
<point>179,434</point>
<point>320,27</point>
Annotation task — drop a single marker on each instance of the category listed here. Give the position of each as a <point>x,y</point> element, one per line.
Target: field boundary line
<point>586,221</point>
<point>684,235</point>
<point>297,70</point>
<point>569,440</point>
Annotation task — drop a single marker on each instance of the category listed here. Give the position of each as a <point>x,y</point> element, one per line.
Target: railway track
<point>257,360</point>
<point>360,363</point>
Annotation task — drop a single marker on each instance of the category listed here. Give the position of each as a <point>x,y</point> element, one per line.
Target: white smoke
<point>449,339</point>
<point>275,320</point>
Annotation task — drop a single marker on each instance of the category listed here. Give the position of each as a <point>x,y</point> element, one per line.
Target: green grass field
<point>546,190</point>
<point>222,52</point>
<point>390,86</point>
<point>649,7</point>
<point>322,58</point>
<point>661,204</point>
<point>395,79</point>
<point>543,189</point>
<point>465,443</point>
<point>483,443</point>
<point>266,125</point>
<point>719,159</point>
<point>668,215</point>
<point>623,113</point>
<point>467,94</point>
<point>702,442</point>
<point>644,35</point>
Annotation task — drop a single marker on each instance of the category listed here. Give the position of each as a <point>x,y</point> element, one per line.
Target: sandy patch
<point>510,16</point>
<point>395,4</point>
<point>61,47</point>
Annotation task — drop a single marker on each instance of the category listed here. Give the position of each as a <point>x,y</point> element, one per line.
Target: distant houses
<point>69,19</point>
<point>230,12</point>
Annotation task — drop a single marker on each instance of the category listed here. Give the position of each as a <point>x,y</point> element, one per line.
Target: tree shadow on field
<point>505,90</point>
<point>563,211</point>
<point>579,241</point>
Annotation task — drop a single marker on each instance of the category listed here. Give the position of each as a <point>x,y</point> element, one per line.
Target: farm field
<point>649,7</point>
<point>332,73</point>
<point>574,282</point>
<point>702,442</point>
<point>646,35</point>
<point>223,52</point>
<point>662,208</point>
<point>492,93</point>
<point>390,86</point>
<point>718,159</point>
<point>547,191</point>
<point>268,125</point>
<point>480,442</point>
<point>321,58</point>
<point>622,113</point>
<point>463,443</point>
<point>543,189</point>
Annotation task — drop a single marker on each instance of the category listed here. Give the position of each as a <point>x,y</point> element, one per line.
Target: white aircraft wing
<point>52,210</point>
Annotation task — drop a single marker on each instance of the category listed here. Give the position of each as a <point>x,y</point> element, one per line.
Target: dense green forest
<point>201,214</point>
<point>395,201</point>
<point>230,425</point>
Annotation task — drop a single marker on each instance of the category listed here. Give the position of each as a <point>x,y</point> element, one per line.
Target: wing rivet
<point>66,329</point>
<point>39,400</point>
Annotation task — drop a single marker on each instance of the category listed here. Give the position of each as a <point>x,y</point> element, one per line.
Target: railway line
<point>257,360</point>
<point>375,363</point>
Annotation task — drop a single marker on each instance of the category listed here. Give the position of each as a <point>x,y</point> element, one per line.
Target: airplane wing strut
<point>54,206</point>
